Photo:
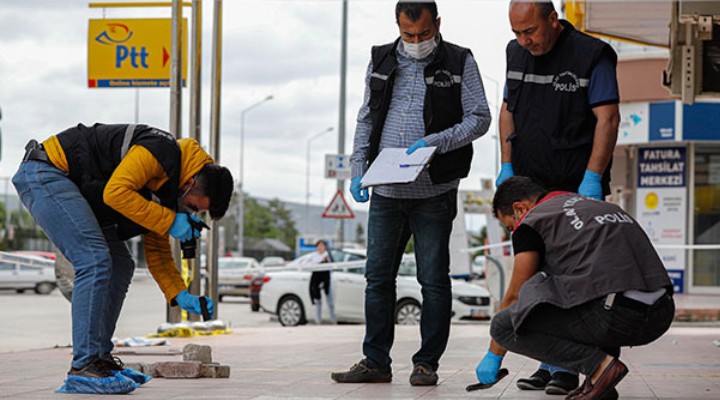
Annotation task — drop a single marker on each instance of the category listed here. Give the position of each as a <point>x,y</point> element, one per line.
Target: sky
<point>289,49</point>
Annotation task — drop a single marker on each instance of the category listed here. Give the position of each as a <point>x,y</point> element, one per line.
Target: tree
<point>271,221</point>
<point>23,227</point>
<point>359,234</point>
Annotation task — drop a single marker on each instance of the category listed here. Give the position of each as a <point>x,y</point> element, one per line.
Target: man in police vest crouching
<point>90,188</point>
<point>586,281</point>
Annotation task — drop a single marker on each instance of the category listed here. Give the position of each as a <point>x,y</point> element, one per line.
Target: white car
<point>235,275</point>
<point>286,294</point>
<point>27,272</point>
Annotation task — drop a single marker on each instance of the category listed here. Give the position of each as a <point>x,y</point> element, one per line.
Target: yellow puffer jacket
<point>141,169</point>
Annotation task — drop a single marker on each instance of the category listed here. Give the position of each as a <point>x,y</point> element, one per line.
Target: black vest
<point>548,98</point>
<point>592,248</point>
<point>93,153</point>
<point>442,109</point>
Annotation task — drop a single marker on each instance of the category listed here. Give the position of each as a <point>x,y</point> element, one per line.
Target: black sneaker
<point>113,363</point>
<point>423,375</point>
<point>361,373</point>
<point>562,383</point>
<point>536,381</point>
<point>96,369</point>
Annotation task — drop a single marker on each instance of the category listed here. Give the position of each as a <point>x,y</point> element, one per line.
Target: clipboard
<point>392,165</point>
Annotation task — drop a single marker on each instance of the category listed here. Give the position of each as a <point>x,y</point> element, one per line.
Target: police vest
<point>442,107</point>
<point>548,98</point>
<point>592,248</point>
<point>94,152</point>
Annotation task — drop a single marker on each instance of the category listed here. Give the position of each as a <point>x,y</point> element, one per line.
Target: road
<point>34,321</point>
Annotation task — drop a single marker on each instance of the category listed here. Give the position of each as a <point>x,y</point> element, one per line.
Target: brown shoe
<point>612,395</point>
<point>604,388</point>
<point>361,373</point>
<point>423,375</point>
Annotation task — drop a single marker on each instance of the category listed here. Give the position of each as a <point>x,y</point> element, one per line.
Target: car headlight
<point>473,300</point>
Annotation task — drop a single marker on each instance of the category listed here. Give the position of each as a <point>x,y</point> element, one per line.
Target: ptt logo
<point>115,34</point>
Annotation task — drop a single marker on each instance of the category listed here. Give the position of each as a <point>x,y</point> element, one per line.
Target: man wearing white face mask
<point>420,91</point>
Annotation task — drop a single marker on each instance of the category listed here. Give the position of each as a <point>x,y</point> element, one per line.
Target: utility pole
<point>341,122</point>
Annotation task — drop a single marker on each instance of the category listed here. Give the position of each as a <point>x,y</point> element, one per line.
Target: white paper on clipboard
<point>392,165</point>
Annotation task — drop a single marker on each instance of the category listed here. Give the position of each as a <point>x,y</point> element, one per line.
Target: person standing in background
<point>320,282</point>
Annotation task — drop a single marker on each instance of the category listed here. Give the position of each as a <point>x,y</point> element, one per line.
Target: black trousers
<point>580,337</point>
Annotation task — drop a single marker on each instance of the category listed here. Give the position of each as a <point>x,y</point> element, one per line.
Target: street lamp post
<point>241,178</point>
<point>498,104</point>
<point>307,174</point>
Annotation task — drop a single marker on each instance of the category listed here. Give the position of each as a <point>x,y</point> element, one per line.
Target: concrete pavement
<point>272,362</point>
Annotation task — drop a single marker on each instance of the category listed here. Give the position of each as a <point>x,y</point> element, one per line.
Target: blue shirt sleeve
<point>603,86</point>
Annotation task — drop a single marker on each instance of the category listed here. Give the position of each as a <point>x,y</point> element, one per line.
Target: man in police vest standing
<point>559,119</point>
<point>586,281</point>
<point>90,188</point>
<point>420,91</point>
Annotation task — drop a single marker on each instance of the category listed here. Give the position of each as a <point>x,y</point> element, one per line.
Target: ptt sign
<point>132,52</point>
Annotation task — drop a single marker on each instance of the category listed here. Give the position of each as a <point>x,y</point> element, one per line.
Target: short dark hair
<point>216,182</point>
<point>414,9</point>
<point>516,188</point>
<point>546,7</point>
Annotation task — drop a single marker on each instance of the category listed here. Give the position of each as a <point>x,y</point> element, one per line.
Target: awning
<point>640,22</point>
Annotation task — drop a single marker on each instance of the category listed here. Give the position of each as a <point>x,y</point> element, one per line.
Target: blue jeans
<point>103,267</point>
<point>553,369</point>
<point>390,224</point>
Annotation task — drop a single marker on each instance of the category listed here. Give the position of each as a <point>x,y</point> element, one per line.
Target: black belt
<point>35,151</point>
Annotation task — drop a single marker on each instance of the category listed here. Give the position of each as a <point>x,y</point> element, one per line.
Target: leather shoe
<point>612,395</point>
<point>604,388</point>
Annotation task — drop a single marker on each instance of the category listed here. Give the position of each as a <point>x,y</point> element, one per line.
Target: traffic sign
<point>338,207</point>
<point>126,53</point>
<point>337,166</point>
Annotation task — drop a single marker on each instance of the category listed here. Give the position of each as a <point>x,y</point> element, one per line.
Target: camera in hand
<point>188,246</point>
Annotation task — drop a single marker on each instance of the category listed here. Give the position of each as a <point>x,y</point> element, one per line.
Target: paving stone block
<point>179,369</point>
<point>197,352</point>
<point>216,370</point>
<point>149,369</point>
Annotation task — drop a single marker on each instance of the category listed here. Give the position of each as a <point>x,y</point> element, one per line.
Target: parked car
<point>272,261</point>
<point>337,255</point>
<point>286,294</point>
<point>235,275</point>
<point>22,272</point>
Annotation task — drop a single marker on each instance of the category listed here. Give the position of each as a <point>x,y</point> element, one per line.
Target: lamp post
<point>307,174</point>
<point>498,104</point>
<point>241,178</point>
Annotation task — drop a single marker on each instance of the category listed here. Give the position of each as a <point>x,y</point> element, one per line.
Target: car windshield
<point>233,264</point>
<point>407,268</point>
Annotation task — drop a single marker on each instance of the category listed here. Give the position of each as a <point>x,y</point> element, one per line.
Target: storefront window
<point>706,263</point>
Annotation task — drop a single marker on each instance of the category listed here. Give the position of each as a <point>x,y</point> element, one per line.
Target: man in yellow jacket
<point>90,188</point>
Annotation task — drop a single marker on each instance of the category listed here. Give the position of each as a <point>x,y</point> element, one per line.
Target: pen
<point>412,165</point>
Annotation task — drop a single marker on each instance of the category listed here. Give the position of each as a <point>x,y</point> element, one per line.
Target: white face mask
<point>420,50</point>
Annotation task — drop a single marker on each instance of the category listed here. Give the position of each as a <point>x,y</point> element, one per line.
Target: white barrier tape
<point>688,246</point>
<point>335,266</point>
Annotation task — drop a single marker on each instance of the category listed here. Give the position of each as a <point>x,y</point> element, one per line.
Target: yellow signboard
<point>126,53</point>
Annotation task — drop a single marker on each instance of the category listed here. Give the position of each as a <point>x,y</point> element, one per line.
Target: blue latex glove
<point>417,145</point>
<point>191,303</point>
<point>487,369</point>
<point>591,185</point>
<point>181,228</point>
<point>359,193</point>
<point>506,171</point>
